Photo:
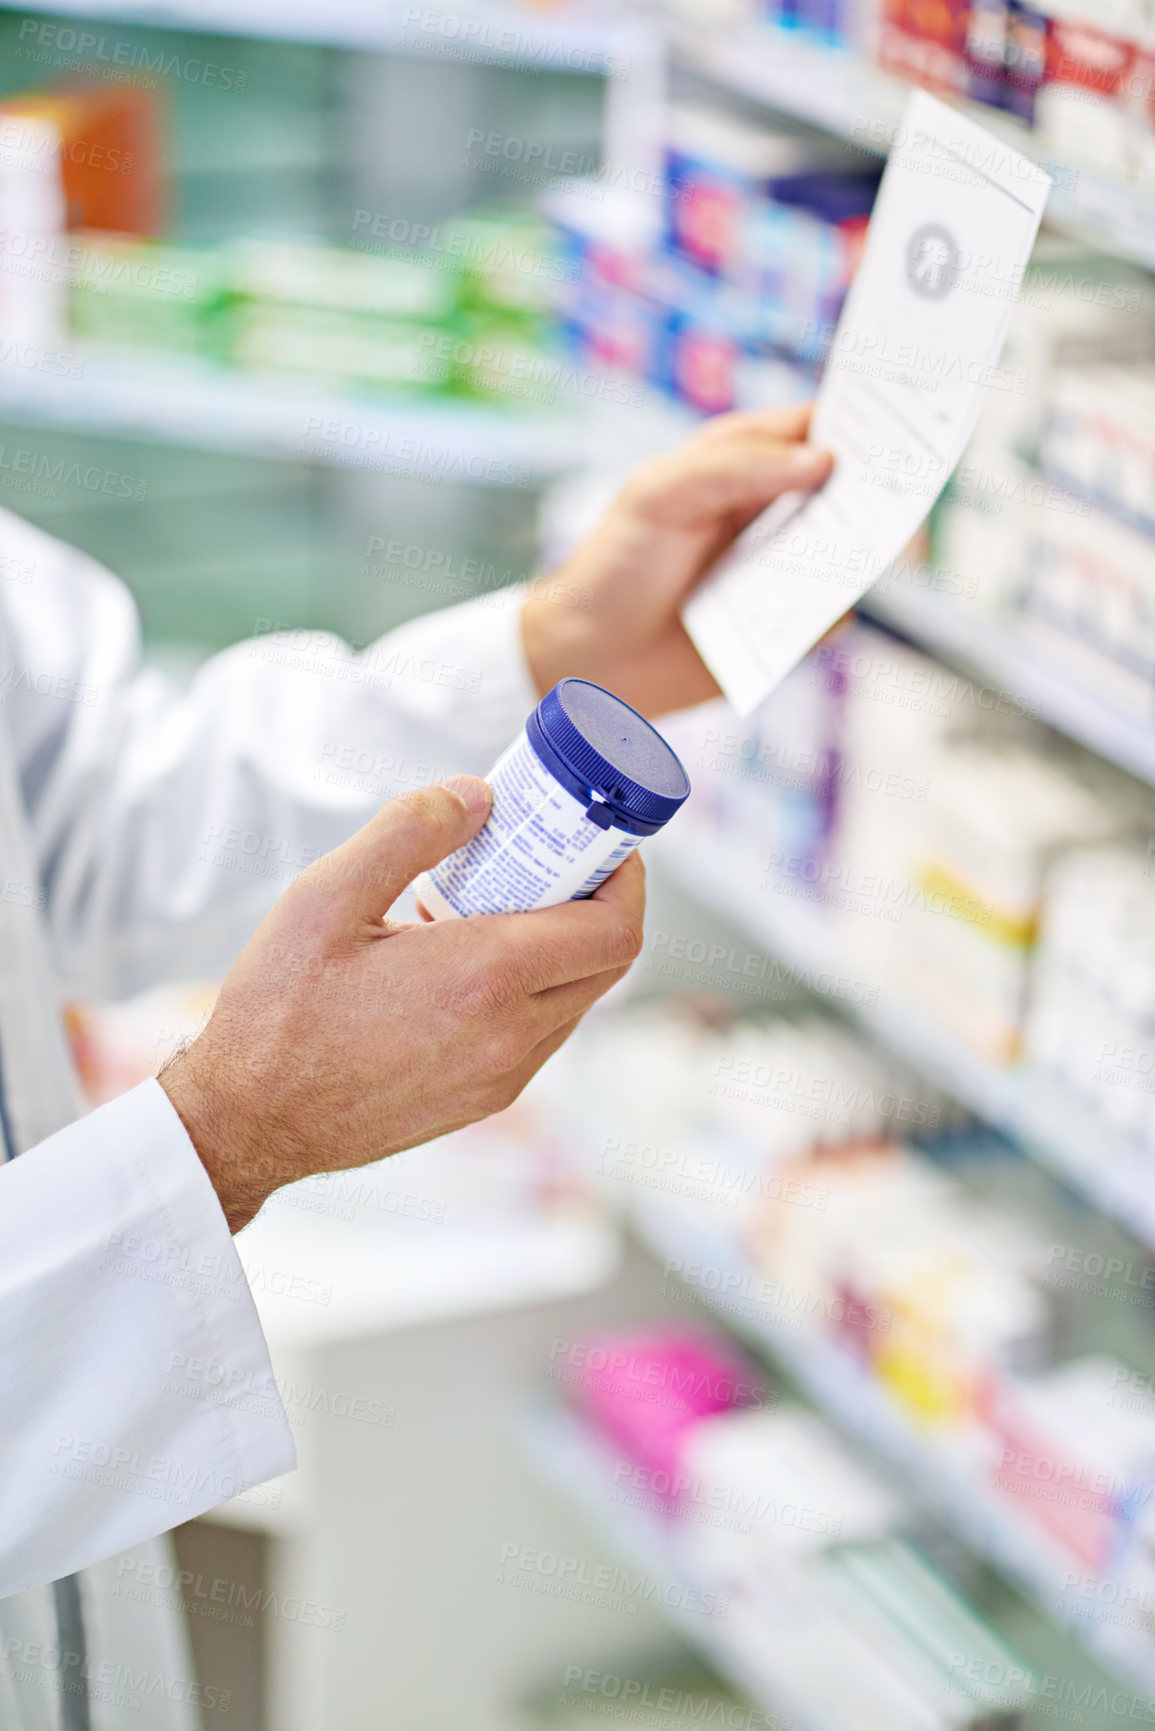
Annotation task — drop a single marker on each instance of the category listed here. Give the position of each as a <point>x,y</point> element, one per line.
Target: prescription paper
<point>910,363</point>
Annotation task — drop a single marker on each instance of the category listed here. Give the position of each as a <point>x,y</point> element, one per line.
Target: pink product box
<point>646,1388</point>
<point>612,330</point>
<point>1083,1504</point>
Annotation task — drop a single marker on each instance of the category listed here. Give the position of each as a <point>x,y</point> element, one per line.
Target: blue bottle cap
<point>604,752</point>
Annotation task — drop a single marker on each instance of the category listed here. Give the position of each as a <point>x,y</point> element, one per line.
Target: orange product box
<point>109,154</point>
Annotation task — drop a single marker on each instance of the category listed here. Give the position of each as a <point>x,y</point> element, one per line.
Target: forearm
<point>168,823</point>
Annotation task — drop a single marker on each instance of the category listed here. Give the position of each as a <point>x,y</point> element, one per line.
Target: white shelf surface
<point>184,401</point>
<point>940,1475</point>
<point>477,33</point>
<point>989,649</point>
<point>1056,1128</point>
<point>319,1282</point>
<point>843,94</point>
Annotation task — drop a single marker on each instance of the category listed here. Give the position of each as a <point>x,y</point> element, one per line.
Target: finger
<point>358,882</point>
<point>624,889</point>
<point>576,940</point>
<point>700,486</point>
<point>786,425</point>
<point>562,1005</point>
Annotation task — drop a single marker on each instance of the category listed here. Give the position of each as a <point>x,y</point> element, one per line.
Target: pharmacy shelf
<point>1056,1128</point>
<point>839,92</point>
<point>751,1652</point>
<point>830,88</point>
<point>185,401</point>
<point>992,650</point>
<point>943,1475</point>
<point>473,34</point>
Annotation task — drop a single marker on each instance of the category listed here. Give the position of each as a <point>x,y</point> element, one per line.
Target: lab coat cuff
<point>222,1360</point>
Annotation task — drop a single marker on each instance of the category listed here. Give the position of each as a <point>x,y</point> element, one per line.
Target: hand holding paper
<point>916,348</point>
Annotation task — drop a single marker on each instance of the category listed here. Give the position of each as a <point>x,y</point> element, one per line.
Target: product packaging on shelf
<point>1087,606</point>
<point>761,231</point>
<point>645,1389</point>
<point>718,173</point>
<point>932,1290</point>
<point>1099,437</point>
<point>755,1097</point>
<point>109,153</point>
<point>1077,1452</point>
<point>345,315</point>
<point>793,1488</point>
<point>898,1604</point>
<point>926,44</point>
<point>923,1277</point>
<point>1025,61</point>
<point>1091,1019</point>
<point>1093,104</point>
<point>801,247</point>
<point>340,279</point>
<point>994,817</point>
<point>33,216</point>
<point>147,295</point>
<point>1017,537</point>
<point>772,1521</point>
<point>903,815</point>
<point>896,708</point>
<point>769,782</point>
<point>1079,73</point>
<point>833,22</point>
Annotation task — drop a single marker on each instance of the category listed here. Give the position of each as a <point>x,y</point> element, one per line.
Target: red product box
<point>1083,55</point>
<point>926,41</point>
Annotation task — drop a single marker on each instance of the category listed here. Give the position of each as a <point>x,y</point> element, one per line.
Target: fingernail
<point>473,793</point>
<point>805,457</point>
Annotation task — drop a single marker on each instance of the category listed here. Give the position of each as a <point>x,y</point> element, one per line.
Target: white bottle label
<point>537,848</point>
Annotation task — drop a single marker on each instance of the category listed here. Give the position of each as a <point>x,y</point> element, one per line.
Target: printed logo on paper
<point>932,261</point>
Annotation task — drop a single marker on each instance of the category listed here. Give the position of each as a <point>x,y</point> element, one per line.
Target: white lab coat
<point>143,832</point>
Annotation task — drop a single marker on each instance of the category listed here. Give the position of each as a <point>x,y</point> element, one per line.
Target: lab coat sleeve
<point>126,1324</point>
<point>165,822</point>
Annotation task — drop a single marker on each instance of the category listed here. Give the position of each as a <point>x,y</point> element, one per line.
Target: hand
<point>340,1036</point>
<point>672,520</point>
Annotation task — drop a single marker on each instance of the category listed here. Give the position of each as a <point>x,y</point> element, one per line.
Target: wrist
<point>556,642</point>
<point>228,1139</point>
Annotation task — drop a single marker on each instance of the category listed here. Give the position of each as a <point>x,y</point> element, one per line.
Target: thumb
<point>362,878</point>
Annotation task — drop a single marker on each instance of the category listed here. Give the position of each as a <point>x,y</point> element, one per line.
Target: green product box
<point>146,294</point>
<point>501,360</point>
<point>510,264</point>
<point>349,348</point>
<point>341,280</point>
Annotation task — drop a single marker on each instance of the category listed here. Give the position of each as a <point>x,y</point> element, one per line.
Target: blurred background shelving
<point>834,87</point>
<point>1032,1108</point>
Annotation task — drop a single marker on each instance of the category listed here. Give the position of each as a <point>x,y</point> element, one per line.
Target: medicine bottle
<point>585,781</point>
